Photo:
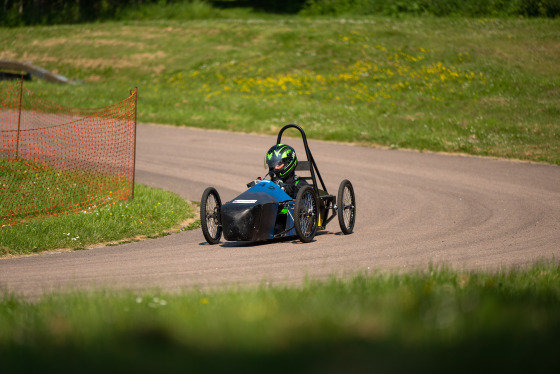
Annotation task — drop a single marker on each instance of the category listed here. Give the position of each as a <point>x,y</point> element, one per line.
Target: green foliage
<point>461,8</point>
<point>50,12</point>
<point>193,9</point>
<point>269,6</point>
<point>438,319</point>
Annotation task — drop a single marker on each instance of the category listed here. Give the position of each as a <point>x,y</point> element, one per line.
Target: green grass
<point>438,319</point>
<point>152,212</point>
<point>478,86</point>
<point>30,188</point>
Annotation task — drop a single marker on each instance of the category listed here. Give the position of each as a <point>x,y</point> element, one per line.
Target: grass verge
<point>152,212</point>
<point>436,319</point>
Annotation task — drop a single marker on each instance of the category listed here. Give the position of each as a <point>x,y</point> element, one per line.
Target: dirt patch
<point>50,42</point>
<point>113,42</point>
<point>158,69</point>
<point>93,78</point>
<point>55,42</point>
<point>133,61</point>
<point>8,55</point>
<point>27,57</point>
<point>148,56</point>
<point>501,101</point>
<point>97,33</point>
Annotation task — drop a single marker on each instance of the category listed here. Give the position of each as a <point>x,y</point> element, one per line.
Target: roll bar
<point>312,165</point>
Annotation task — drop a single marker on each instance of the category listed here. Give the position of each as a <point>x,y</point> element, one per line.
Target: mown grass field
<point>478,86</point>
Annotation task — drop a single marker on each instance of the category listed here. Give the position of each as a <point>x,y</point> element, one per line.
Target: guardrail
<point>32,70</point>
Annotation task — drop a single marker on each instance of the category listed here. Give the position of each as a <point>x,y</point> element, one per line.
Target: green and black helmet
<point>281,160</point>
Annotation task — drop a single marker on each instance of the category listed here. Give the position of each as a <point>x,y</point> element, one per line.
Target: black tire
<point>346,207</point>
<point>306,213</point>
<point>210,215</point>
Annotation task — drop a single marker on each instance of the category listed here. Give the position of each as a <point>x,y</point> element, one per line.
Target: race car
<point>265,211</point>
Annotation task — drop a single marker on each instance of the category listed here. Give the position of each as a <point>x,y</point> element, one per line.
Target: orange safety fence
<point>56,159</point>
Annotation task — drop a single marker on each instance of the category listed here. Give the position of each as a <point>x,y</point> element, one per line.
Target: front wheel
<point>306,214</point>
<point>346,207</point>
<point>210,215</point>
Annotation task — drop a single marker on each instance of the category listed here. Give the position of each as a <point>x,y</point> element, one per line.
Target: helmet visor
<point>274,163</point>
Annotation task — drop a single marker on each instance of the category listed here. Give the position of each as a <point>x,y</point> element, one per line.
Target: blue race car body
<point>262,212</point>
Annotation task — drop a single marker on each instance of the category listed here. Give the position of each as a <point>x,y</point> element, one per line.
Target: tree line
<point>48,12</point>
<point>32,12</point>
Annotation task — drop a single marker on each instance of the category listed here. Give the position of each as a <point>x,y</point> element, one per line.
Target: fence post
<point>19,116</point>
<point>134,160</point>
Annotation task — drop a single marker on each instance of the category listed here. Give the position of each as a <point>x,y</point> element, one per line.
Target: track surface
<point>413,209</point>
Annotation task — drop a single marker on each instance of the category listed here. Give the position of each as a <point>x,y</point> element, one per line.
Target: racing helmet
<point>281,160</point>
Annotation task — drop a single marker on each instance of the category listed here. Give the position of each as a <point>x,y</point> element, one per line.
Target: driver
<point>281,161</point>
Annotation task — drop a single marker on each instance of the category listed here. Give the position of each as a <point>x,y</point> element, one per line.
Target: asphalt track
<point>413,209</point>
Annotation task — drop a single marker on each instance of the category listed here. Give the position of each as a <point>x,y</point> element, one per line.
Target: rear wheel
<point>210,215</point>
<point>346,207</point>
<point>306,214</point>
